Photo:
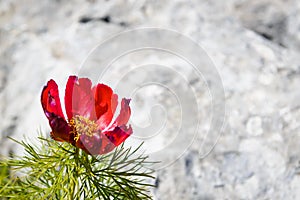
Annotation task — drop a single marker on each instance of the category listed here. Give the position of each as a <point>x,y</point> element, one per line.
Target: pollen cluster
<point>82,125</point>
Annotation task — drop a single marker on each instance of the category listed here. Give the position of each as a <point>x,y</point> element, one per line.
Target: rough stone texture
<point>254,44</point>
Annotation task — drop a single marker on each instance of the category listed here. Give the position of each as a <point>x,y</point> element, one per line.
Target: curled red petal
<point>52,108</point>
<point>79,99</point>
<point>50,100</point>
<point>119,134</point>
<point>105,104</point>
<point>124,114</point>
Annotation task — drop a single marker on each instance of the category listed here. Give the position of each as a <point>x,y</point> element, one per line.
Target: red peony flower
<point>89,111</point>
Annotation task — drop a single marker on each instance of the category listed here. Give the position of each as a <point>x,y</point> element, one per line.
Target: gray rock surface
<point>255,46</point>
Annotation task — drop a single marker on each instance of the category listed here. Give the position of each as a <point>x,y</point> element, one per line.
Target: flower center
<point>82,125</point>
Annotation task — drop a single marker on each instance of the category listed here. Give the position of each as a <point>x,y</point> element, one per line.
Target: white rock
<point>254,126</point>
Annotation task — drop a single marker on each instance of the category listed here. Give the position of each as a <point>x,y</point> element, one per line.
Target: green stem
<point>74,193</point>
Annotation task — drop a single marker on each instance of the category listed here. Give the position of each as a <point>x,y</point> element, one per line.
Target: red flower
<point>89,111</point>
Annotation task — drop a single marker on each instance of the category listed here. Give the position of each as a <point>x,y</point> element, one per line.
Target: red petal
<point>119,134</point>
<point>95,145</point>
<point>105,104</point>
<point>68,96</point>
<point>52,108</point>
<point>50,101</point>
<point>79,98</point>
<point>103,143</point>
<point>61,130</point>
<point>125,113</point>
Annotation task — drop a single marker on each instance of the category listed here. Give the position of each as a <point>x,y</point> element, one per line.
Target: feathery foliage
<point>57,170</point>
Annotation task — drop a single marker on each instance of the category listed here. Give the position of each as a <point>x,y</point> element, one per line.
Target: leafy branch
<point>61,171</point>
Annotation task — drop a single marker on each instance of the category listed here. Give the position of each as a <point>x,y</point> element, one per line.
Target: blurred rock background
<point>255,45</point>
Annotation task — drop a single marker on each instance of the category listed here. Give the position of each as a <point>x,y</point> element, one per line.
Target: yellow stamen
<point>82,125</point>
